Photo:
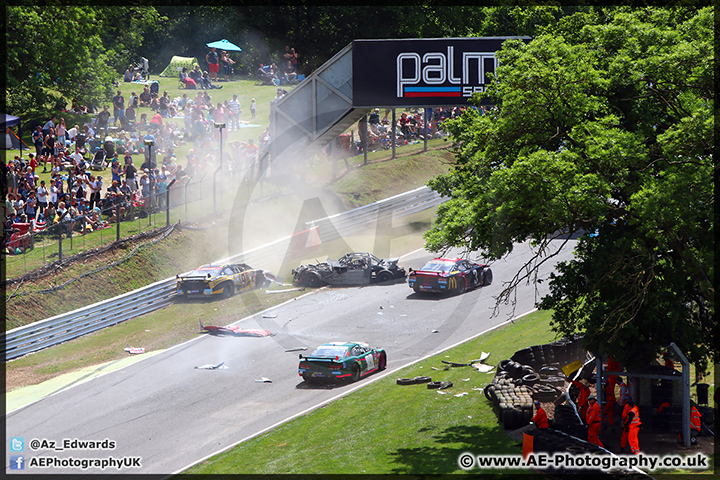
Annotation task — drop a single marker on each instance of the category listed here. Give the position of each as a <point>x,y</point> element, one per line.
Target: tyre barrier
<point>422,379</point>
<point>531,379</point>
<point>533,373</point>
<point>558,382</point>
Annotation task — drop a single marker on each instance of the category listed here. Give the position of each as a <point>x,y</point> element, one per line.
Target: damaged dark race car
<point>358,268</point>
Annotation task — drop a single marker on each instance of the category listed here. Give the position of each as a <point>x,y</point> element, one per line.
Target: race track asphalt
<point>170,414</point>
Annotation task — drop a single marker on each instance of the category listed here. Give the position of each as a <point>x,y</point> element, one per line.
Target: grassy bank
<point>385,428</point>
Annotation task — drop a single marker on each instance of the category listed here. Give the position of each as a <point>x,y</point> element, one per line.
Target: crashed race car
<point>220,280</point>
<point>359,268</point>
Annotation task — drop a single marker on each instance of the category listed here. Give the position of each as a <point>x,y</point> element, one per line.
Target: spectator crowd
<point>138,153</point>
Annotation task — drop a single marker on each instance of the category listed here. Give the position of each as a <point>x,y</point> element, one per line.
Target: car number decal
<point>370,360</point>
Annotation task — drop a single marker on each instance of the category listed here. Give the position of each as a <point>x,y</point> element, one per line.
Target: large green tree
<point>55,54</point>
<point>603,129</point>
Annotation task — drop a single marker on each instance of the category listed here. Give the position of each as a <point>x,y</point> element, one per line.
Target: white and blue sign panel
<point>422,72</point>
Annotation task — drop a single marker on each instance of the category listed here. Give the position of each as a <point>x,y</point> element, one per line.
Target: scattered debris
<point>381,307</point>
<point>273,278</point>
<point>263,380</point>
<point>461,394</point>
<point>442,393</point>
<point>233,330</point>
<point>482,368</point>
<point>483,356</point>
<point>296,349</point>
<point>445,385</point>
<point>453,364</point>
<point>434,331</point>
<point>219,366</point>
<point>435,368</point>
<point>268,292</point>
<point>269,315</point>
<point>130,349</point>
<point>465,379</point>
<point>380,313</point>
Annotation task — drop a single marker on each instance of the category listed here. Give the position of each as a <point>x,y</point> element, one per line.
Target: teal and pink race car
<point>341,360</point>
<point>449,275</point>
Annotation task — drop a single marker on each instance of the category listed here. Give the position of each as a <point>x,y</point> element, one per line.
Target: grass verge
<point>388,429</point>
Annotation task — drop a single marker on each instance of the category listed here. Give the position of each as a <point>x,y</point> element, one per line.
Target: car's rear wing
<point>429,274</point>
<point>194,277</point>
<point>320,359</point>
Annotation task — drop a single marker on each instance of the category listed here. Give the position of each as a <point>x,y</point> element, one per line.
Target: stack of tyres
<point>539,356</point>
<point>512,403</point>
<point>524,357</point>
<point>532,373</point>
<point>549,354</point>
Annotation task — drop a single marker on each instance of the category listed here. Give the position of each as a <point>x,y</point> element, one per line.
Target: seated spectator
<point>145,98</point>
<point>185,78</point>
<point>154,102</point>
<point>157,119</point>
<point>208,83</point>
<point>77,108</point>
<point>128,74</point>
<point>130,114</point>
<point>197,75</point>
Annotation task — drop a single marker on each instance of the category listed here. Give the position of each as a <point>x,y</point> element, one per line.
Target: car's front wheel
<point>382,362</point>
<point>311,279</point>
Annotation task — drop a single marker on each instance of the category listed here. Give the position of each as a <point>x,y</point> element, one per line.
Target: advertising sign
<point>422,72</point>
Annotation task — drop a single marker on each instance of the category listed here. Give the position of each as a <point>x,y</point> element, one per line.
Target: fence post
<point>167,202</point>
<point>425,130</point>
<point>186,202</point>
<point>394,133</point>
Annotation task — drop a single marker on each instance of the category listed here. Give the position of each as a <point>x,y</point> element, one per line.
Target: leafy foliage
<point>52,50</point>
<point>604,124</point>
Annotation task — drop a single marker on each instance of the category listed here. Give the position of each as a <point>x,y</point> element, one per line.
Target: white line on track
<point>357,387</point>
<point>414,251</point>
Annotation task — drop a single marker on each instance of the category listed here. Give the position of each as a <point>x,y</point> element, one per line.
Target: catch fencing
<point>186,200</point>
<point>61,328</point>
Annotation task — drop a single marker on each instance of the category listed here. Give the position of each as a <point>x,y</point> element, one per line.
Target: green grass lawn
<point>384,428</point>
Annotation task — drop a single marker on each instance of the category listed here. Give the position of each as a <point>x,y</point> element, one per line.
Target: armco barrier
<point>61,328</point>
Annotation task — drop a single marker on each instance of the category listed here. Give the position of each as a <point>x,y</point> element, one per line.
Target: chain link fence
<point>31,246</point>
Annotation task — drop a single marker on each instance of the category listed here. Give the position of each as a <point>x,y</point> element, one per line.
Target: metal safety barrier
<point>67,326</point>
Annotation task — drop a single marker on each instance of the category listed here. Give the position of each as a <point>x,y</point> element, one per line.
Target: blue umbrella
<point>224,45</point>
